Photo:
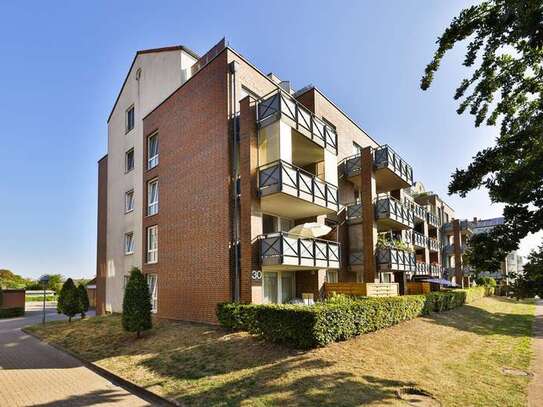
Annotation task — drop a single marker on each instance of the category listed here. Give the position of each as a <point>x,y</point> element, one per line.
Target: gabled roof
<point>150,51</point>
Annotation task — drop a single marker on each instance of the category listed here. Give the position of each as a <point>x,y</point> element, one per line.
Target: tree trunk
<point>138,334</point>
<point>69,319</point>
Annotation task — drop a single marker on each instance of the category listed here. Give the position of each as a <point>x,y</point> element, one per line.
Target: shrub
<point>68,300</point>
<point>12,312</point>
<point>83,300</point>
<point>485,281</point>
<point>339,317</point>
<point>136,304</point>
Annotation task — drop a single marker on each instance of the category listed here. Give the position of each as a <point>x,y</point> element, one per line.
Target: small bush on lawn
<point>338,318</point>
<point>485,281</point>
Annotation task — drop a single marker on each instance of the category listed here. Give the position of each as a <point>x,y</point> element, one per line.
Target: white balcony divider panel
<point>422,269</point>
<point>283,177</point>
<point>290,250</point>
<point>279,105</point>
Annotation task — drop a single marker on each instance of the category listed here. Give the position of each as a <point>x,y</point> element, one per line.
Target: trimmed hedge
<point>12,312</point>
<point>338,318</point>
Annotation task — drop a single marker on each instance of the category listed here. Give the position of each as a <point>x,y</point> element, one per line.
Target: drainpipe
<point>233,67</point>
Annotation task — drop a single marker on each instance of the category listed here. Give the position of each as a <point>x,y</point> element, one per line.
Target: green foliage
<point>384,240</point>
<point>12,312</point>
<point>506,88</point>
<point>338,318</point>
<point>10,280</point>
<point>83,300</point>
<point>136,304</point>
<point>530,282</point>
<point>484,253</point>
<point>485,281</point>
<point>68,300</point>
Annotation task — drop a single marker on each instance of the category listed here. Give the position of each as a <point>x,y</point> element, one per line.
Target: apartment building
<point>211,163</point>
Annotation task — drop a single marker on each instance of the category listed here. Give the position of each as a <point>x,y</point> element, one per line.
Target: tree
<point>482,254</point>
<point>136,304</point>
<point>505,51</point>
<point>83,300</point>
<point>530,282</point>
<point>68,300</point>
<point>10,280</point>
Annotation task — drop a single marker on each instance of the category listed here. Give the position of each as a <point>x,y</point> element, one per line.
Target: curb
<point>152,398</point>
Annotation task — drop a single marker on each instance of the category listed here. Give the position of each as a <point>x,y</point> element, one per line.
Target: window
<point>153,290</point>
<point>278,287</point>
<point>129,201</point>
<point>129,243</point>
<point>130,118</point>
<point>129,160</point>
<point>152,197</point>
<point>152,244</point>
<point>152,151</point>
<point>331,276</point>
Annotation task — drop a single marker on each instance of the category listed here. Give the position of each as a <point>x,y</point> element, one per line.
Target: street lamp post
<point>44,280</point>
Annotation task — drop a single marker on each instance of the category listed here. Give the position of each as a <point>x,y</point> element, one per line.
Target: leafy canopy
<point>505,53</point>
<point>530,282</point>
<point>83,300</point>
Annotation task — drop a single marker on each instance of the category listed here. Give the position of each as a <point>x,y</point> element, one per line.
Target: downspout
<point>233,67</point>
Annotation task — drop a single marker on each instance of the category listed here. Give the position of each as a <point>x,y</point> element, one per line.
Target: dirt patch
<point>414,396</point>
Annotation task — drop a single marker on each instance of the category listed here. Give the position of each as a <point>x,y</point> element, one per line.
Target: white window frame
<point>152,161</point>
<point>129,243</point>
<point>127,200</point>
<point>126,154</point>
<point>127,121</point>
<point>152,252</point>
<point>278,276</point>
<point>153,291</point>
<point>152,202</point>
<point>332,276</point>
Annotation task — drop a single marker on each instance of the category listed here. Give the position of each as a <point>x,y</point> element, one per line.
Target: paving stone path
<point>33,373</point>
<point>535,389</point>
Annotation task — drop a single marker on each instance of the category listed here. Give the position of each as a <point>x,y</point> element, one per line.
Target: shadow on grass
<point>474,319</point>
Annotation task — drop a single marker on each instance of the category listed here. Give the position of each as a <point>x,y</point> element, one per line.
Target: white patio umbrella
<point>311,229</point>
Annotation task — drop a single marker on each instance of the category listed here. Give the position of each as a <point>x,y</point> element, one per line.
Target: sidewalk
<point>535,389</point>
<point>33,373</point>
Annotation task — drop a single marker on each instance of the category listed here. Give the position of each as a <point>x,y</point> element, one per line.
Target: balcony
<point>279,105</point>
<point>354,213</point>
<point>419,240</point>
<point>449,248</point>
<point>436,270</point>
<point>355,261</point>
<point>392,214</point>
<point>433,244</point>
<point>422,269</point>
<point>419,212</point>
<point>391,171</point>
<point>284,251</point>
<point>291,192</point>
<point>433,220</point>
<point>390,259</point>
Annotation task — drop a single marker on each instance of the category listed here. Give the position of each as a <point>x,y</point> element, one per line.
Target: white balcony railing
<point>390,259</point>
<point>389,208</point>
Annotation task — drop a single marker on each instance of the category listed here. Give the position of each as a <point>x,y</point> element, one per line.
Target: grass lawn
<point>456,356</point>
<point>39,298</point>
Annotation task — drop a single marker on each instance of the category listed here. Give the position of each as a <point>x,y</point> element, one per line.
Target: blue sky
<point>63,64</point>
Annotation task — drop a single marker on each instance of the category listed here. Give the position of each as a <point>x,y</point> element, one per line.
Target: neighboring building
<point>243,159</point>
<point>512,265</point>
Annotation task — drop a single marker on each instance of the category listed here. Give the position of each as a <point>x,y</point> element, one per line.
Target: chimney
<point>475,220</point>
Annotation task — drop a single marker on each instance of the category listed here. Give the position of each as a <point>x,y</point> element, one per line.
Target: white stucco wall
<point>161,73</point>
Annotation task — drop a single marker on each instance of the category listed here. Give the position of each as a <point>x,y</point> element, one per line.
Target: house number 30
<point>256,274</point>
